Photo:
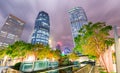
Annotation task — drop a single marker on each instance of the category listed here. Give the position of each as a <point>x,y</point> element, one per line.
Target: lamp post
<point>117,50</point>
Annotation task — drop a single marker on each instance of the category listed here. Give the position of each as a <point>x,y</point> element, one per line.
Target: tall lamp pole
<point>117,50</point>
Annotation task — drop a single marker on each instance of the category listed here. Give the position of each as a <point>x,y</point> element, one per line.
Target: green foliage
<point>18,49</point>
<point>2,52</point>
<point>93,39</point>
<point>21,49</point>
<point>92,57</point>
<point>64,60</point>
<point>73,56</point>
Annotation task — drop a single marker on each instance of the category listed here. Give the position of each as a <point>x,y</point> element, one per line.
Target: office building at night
<point>11,31</point>
<point>77,18</point>
<point>41,31</point>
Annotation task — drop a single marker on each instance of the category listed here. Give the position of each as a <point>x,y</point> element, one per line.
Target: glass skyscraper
<point>41,29</point>
<point>11,30</point>
<point>77,18</point>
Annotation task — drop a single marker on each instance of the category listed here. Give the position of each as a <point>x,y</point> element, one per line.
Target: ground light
<point>63,54</point>
<point>53,59</point>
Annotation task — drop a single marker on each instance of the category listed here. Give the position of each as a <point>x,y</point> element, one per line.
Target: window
<point>38,35</point>
<point>37,40</point>
<point>5,44</point>
<point>1,43</point>
<point>3,33</point>
<point>14,21</point>
<point>39,19</point>
<point>16,38</point>
<point>7,23</point>
<point>39,31</point>
<point>21,24</point>
<point>10,36</point>
<point>44,24</point>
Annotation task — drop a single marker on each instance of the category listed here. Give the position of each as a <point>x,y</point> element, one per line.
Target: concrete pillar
<point>117,50</point>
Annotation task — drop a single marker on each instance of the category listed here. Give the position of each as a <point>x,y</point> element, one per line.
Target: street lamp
<point>117,50</point>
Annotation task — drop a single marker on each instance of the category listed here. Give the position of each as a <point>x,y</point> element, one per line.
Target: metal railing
<point>86,69</point>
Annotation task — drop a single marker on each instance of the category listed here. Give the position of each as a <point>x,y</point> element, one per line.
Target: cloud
<point>1,20</point>
<point>27,10</point>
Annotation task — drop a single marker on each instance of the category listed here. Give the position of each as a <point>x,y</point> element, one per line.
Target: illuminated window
<point>5,44</point>
<point>44,24</point>
<point>10,36</point>
<point>21,24</point>
<point>3,33</point>
<point>1,43</point>
<point>39,31</point>
<point>7,23</point>
<point>16,38</point>
<point>38,36</point>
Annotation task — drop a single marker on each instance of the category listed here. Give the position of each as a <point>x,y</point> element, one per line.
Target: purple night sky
<point>96,10</point>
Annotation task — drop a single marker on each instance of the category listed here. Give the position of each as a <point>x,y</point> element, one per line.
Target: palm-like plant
<point>94,39</point>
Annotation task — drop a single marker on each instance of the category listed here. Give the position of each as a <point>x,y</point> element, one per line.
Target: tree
<point>47,52</point>
<point>73,56</point>
<point>56,54</point>
<point>22,50</point>
<point>2,52</point>
<point>94,39</point>
<point>18,49</point>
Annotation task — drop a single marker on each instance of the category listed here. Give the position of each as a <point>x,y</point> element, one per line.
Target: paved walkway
<point>2,68</point>
<point>95,70</point>
<point>59,68</point>
<point>88,69</point>
<point>85,69</point>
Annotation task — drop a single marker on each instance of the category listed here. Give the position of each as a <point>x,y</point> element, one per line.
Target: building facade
<point>67,50</point>
<point>41,29</point>
<point>77,18</point>
<point>11,30</point>
<point>58,46</point>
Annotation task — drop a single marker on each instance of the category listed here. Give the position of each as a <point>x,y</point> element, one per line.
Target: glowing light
<point>5,59</point>
<point>30,58</point>
<point>50,42</point>
<point>60,43</point>
<point>45,59</point>
<point>53,59</point>
<point>63,54</point>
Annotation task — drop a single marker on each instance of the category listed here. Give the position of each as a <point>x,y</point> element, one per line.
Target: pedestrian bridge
<point>50,67</point>
<point>46,66</point>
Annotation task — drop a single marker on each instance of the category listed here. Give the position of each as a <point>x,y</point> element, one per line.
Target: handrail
<point>86,69</point>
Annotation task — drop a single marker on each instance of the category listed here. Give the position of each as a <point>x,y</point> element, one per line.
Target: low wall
<point>85,69</point>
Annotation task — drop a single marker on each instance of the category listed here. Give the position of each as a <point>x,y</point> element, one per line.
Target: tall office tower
<point>77,18</point>
<point>11,30</point>
<point>41,29</point>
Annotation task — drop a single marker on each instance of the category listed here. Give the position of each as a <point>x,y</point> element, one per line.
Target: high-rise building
<point>41,29</point>
<point>77,18</point>
<point>67,50</point>
<point>11,30</point>
<point>59,46</point>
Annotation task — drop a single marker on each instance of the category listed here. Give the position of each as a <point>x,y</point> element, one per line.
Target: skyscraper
<point>41,29</point>
<point>77,18</point>
<point>11,30</point>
